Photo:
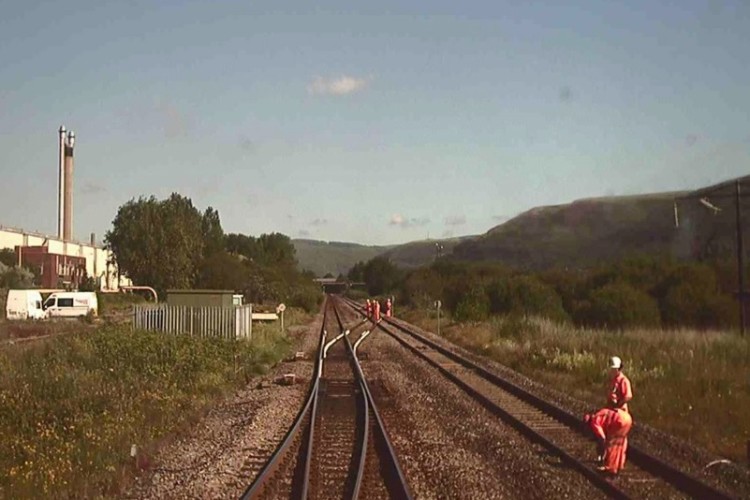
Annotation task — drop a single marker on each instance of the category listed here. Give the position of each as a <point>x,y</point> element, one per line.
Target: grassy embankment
<point>691,384</point>
<point>71,406</point>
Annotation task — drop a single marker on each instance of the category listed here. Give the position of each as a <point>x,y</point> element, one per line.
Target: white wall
<point>96,257</point>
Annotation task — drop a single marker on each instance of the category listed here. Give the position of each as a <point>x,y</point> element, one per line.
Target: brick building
<point>56,270</point>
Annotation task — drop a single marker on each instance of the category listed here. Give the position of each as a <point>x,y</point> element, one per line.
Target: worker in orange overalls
<point>368,308</point>
<point>619,389</point>
<point>611,427</point>
<point>376,311</point>
<point>388,308</point>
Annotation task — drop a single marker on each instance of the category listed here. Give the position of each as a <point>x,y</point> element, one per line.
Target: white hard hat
<point>615,362</point>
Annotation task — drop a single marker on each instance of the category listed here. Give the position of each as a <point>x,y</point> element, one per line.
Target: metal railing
<point>225,322</point>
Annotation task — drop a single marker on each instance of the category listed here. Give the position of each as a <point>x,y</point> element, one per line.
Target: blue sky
<point>372,122</point>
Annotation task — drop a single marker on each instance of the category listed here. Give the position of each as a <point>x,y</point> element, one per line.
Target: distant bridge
<point>333,285</point>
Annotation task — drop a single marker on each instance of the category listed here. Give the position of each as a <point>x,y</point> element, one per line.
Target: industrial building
<point>62,262</point>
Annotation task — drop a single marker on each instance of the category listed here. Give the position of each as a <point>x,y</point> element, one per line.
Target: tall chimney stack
<point>68,188</point>
<point>61,181</point>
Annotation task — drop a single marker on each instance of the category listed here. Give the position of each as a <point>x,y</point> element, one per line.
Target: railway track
<point>337,446</point>
<point>544,423</point>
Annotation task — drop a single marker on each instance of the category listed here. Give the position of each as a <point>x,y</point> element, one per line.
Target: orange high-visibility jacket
<point>620,391</point>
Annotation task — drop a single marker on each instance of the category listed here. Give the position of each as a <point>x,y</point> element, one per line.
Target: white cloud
<point>319,222</point>
<point>455,220</point>
<point>304,233</point>
<point>407,222</point>
<point>337,86</point>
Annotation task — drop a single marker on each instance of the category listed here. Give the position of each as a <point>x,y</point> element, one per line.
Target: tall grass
<point>692,384</point>
<point>71,407</point>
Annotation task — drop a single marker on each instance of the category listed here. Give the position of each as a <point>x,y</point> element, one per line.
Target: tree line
<point>641,290</point>
<point>170,244</point>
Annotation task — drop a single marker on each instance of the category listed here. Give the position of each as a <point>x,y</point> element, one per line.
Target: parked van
<point>71,304</point>
<point>24,304</point>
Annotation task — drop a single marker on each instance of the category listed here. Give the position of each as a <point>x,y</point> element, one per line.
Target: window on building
<point>64,302</point>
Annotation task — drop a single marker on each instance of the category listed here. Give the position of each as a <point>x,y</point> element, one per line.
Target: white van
<point>71,304</point>
<point>24,304</point>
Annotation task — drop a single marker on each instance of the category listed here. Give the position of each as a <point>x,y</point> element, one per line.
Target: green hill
<point>419,253</point>
<point>583,233</point>
<point>323,257</point>
<point>336,258</point>
<point>580,234</point>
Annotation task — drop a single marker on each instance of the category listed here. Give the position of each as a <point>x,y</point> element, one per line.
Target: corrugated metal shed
<point>201,298</point>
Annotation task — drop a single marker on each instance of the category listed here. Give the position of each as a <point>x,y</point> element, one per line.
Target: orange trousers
<point>613,426</point>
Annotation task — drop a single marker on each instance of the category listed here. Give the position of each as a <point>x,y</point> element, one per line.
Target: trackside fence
<point>226,322</point>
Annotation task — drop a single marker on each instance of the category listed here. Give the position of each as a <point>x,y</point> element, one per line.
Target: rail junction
<point>339,446</point>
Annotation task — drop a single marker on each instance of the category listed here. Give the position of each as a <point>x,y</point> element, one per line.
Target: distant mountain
<point>336,258</point>
<point>419,253</point>
<point>323,257</point>
<point>582,233</point>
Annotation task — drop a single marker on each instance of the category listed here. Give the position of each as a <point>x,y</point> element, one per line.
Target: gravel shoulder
<point>220,456</point>
<point>734,478</point>
<point>447,444</point>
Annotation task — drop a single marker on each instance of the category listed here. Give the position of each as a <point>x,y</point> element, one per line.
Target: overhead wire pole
<point>702,196</point>
<point>740,258</point>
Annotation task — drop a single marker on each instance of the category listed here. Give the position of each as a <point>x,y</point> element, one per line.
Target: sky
<point>372,122</point>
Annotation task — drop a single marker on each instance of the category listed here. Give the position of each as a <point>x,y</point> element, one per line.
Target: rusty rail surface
<point>681,480</point>
<point>302,437</point>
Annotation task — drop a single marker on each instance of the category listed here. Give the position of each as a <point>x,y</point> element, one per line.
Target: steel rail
<point>265,477</point>
<point>365,427</point>
<point>683,481</point>
<point>395,481</point>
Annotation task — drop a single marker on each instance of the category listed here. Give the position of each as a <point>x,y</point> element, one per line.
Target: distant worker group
<point>372,309</point>
<point>611,424</point>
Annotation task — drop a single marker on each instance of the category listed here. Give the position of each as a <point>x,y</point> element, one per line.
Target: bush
<point>72,407</point>
<point>692,298</point>
<point>422,287</point>
<point>7,257</point>
<point>358,295</point>
<point>619,305</point>
<point>88,285</point>
<point>15,277</point>
<point>113,302</point>
<point>307,298</point>
<point>474,306</point>
<point>526,296</point>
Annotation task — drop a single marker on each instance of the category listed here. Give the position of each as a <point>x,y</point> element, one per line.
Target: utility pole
<point>740,257</point>
<point>438,305</point>
<point>723,191</point>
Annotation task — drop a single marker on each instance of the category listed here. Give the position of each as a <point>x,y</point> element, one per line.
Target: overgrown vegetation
<point>12,276</point>
<point>638,291</point>
<point>171,244</point>
<point>72,406</point>
<point>688,383</point>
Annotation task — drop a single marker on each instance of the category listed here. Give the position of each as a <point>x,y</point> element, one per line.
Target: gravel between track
<point>221,455</point>
<point>447,444</point>
<point>734,478</point>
